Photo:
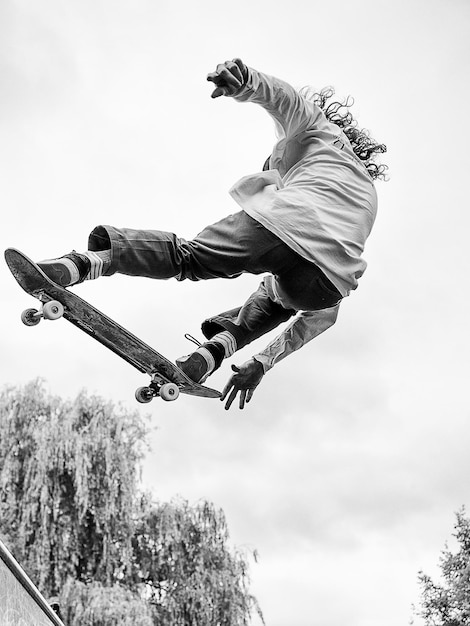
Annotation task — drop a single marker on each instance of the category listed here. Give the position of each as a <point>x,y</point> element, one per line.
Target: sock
<point>208,357</point>
<point>100,263</point>
<point>227,341</point>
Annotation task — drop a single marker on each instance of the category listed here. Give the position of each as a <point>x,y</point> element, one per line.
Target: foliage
<point>185,547</point>
<point>447,603</point>
<point>67,484</point>
<point>72,513</point>
<point>93,604</point>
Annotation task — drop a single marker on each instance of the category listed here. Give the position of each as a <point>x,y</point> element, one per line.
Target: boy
<point>304,221</point>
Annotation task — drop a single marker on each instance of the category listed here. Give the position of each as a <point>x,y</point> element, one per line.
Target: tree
<point>181,554</point>
<point>73,514</point>
<point>447,603</point>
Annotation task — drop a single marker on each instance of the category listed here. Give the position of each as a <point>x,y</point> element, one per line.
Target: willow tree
<point>72,512</point>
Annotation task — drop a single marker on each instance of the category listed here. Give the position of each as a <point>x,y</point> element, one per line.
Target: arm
<point>288,108</point>
<point>305,327</point>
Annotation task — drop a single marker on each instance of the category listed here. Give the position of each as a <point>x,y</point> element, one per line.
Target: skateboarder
<point>304,222</point>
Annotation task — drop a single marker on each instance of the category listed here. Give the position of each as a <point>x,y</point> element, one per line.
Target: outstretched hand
<point>245,380</point>
<point>229,77</point>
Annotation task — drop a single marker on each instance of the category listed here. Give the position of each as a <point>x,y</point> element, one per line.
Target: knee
<point>306,291</point>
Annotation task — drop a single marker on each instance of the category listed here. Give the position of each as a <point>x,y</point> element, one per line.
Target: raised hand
<point>229,77</point>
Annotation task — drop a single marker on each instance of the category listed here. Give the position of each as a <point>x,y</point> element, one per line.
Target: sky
<point>347,468</point>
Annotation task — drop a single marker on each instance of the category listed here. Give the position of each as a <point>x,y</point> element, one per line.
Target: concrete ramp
<point>21,604</point>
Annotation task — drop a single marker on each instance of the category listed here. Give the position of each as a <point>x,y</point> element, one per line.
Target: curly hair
<point>364,147</point>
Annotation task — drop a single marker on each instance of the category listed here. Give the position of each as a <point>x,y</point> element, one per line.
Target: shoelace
<point>192,339</point>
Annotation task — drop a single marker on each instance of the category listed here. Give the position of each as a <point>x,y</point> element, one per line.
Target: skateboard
<point>167,380</point>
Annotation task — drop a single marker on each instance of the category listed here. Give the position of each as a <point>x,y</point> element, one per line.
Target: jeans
<point>235,245</point>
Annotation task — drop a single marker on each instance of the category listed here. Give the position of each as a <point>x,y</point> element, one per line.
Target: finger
<point>226,389</point>
<point>242,67</point>
<point>242,398</point>
<point>220,91</point>
<point>213,77</point>
<point>235,70</point>
<point>231,398</point>
<point>249,395</point>
<point>228,77</point>
<point>235,368</point>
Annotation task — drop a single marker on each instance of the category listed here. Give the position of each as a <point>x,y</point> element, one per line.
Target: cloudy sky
<point>346,469</point>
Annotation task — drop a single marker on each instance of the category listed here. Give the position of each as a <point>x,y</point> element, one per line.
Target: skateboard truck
<point>50,310</point>
<point>158,387</point>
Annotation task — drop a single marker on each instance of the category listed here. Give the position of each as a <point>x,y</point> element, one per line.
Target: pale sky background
<point>346,469</point>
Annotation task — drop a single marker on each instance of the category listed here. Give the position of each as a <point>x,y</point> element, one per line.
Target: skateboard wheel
<point>30,317</point>
<point>52,310</point>
<point>169,392</point>
<point>144,395</point>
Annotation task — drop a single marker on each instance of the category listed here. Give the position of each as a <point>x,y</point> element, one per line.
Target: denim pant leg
<point>303,288</point>
<point>260,314</point>
<point>232,246</point>
<point>226,249</point>
<point>150,253</point>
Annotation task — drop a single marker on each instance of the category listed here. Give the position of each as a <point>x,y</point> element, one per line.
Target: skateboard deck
<point>167,380</point>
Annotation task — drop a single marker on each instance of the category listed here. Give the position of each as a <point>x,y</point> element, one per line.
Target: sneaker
<point>67,270</point>
<point>199,365</point>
